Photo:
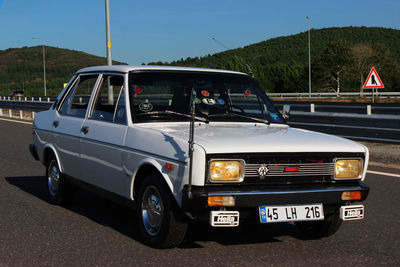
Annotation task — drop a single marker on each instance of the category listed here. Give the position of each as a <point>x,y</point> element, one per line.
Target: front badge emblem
<point>263,171</point>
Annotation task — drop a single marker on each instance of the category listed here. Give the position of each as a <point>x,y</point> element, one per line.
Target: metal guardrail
<point>30,98</point>
<point>342,107</point>
<point>25,105</point>
<point>375,127</point>
<point>335,95</point>
<point>369,122</point>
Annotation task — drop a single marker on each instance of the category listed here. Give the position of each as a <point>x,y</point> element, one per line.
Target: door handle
<point>55,124</point>
<point>85,129</point>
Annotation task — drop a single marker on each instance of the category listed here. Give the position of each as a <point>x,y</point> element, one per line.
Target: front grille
<point>287,168</point>
<point>306,173</point>
<point>304,169</point>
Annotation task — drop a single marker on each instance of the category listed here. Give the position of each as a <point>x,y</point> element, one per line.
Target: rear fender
<point>49,148</point>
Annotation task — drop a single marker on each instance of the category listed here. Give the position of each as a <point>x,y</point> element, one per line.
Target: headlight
<point>348,168</point>
<point>226,171</point>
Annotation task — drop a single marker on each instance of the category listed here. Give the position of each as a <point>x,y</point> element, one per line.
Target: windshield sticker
<point>205,93</point>
<point>209,101</point>
<point>197,101</point>
<point>247,92</point>
<point>138,91</point>
<point>275,119</point>
<point>221,101</point>
<point>145,106</point>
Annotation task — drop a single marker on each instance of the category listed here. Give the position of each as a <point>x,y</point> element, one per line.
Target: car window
<point>245,98</point>
<point>108,98</point>
<point>216,97</point>
<point>120,113</point>
<point>77,100</point>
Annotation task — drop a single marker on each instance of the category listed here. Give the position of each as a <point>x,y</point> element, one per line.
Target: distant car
<point>183,144</point>
<point>17,93</point>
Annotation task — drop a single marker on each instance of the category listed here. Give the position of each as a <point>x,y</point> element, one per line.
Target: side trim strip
<point>117,147</point>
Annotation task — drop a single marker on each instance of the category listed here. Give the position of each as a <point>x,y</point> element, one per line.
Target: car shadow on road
<point>246,233</point>
<point>87,204</point>
<point>123,219</point>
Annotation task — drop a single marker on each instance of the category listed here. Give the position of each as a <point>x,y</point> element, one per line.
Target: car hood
<point>221,137</point>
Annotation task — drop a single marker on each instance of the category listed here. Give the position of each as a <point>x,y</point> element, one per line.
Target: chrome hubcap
<point>152,210</point>
<point>53,178</point>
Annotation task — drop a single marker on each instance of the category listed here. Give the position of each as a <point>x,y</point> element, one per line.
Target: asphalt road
<point>94,231</point>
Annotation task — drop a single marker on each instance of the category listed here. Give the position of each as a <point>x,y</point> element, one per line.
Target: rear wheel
<point>319,229</point>
<point>57,187</point>
<point>160,222</point>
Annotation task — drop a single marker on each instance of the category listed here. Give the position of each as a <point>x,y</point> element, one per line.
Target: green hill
<point>22,68</point>
<point>281,64</point>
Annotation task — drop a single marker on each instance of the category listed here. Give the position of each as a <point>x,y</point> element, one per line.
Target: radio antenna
<point>191,141</point>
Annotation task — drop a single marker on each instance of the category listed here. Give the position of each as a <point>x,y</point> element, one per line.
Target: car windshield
<point>169,96</point>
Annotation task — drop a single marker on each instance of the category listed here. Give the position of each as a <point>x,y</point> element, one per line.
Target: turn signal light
<point>352,195</point>
<point>221,201</point>
<point>169,166</point>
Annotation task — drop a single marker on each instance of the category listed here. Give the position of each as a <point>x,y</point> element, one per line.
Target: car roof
<point>127,68</point>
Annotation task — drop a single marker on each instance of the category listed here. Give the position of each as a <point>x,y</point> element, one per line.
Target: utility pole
<point>108,33</point>
<point>44,71</point>
<point>309,58</point>
<point>109,60</point>
<point>44,67</point>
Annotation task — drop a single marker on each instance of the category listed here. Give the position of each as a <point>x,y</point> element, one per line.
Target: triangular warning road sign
<point>373,80</point>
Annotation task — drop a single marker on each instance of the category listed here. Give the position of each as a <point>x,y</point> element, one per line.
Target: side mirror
<point>286,112</point>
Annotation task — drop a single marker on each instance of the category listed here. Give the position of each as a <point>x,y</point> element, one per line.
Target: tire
<point>56,184</point>
<point>160,221</point>
<point>320,229</point>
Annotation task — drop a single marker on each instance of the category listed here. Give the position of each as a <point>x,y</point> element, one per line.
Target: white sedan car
<point>182,144</point>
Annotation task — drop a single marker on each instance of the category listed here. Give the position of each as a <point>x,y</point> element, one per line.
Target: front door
<point>104,135</point>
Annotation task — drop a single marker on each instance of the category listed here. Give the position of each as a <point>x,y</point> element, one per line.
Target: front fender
<point>169,176</point>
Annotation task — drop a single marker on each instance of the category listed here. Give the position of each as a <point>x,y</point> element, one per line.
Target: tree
<point>363,57</point>
<point>335,58</point>
<point>381,55</point>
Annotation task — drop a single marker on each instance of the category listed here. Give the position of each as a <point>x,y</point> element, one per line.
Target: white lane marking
<point>23,122</point>
<point>384,173</point>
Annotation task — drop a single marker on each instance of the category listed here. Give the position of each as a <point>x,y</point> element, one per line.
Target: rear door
<point>68,122</point>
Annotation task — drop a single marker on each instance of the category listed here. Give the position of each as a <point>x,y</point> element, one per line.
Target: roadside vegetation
<point>341,59</point>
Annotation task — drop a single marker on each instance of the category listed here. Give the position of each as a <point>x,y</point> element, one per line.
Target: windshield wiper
<point>238,115</point>
<point>173,113</point>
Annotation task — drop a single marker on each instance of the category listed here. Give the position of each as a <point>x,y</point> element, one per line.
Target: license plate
<point>224,218</point>
<point>355,212</point>
<point>309,212</point>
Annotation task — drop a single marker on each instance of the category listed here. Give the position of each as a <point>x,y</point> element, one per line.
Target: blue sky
<point>157,30</point>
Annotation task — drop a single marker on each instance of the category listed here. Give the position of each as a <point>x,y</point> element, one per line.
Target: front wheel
<point>319,229</point>
<point>160,222</point>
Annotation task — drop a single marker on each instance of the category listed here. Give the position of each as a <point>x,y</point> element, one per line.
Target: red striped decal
<point>292,169</point>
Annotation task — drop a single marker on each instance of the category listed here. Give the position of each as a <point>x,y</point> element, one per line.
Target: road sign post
<point>373,82</point>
